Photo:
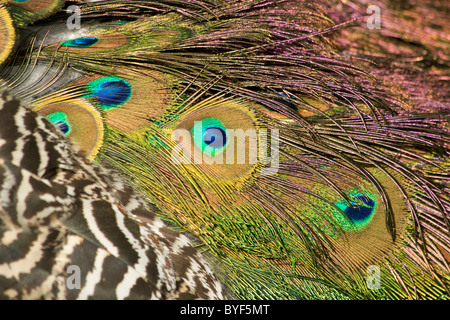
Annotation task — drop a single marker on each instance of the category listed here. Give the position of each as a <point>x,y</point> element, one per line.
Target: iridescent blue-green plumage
<point>83,42</point>
<point>110,92</point>
<point>60,120</point>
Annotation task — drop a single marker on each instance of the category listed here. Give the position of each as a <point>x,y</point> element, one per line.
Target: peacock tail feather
<point>305,154</point>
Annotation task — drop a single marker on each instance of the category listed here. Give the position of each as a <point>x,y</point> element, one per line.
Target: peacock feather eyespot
<point>77,119</point>
<point>110,92</point>
<point>223,139</point>
<point>210,135</point>
<point>8,34</point>
<point>83,42</point>
<point>61,121</point>
<point>359,211</point>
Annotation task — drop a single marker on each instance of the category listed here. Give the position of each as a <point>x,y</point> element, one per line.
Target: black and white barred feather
<point>57,211</point>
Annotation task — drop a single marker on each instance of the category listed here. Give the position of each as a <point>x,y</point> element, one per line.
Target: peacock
<point>209,149</point>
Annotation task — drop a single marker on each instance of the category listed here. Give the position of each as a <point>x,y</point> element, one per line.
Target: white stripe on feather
<point>94,276</point>
<point>138,270</point>
<point>27,263</point>
<point>18,154</point>
<point>94,228</point>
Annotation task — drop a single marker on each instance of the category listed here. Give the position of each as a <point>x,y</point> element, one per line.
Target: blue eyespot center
<point>110,92</point>
<point>210,135</point>
<point>60,121</point>
<point>360,210</point>
<point>84,42</point>
<point>64,127</point>
<point>215,137</point>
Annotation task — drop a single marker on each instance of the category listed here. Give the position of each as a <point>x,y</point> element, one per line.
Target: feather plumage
<point>297,166</point>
